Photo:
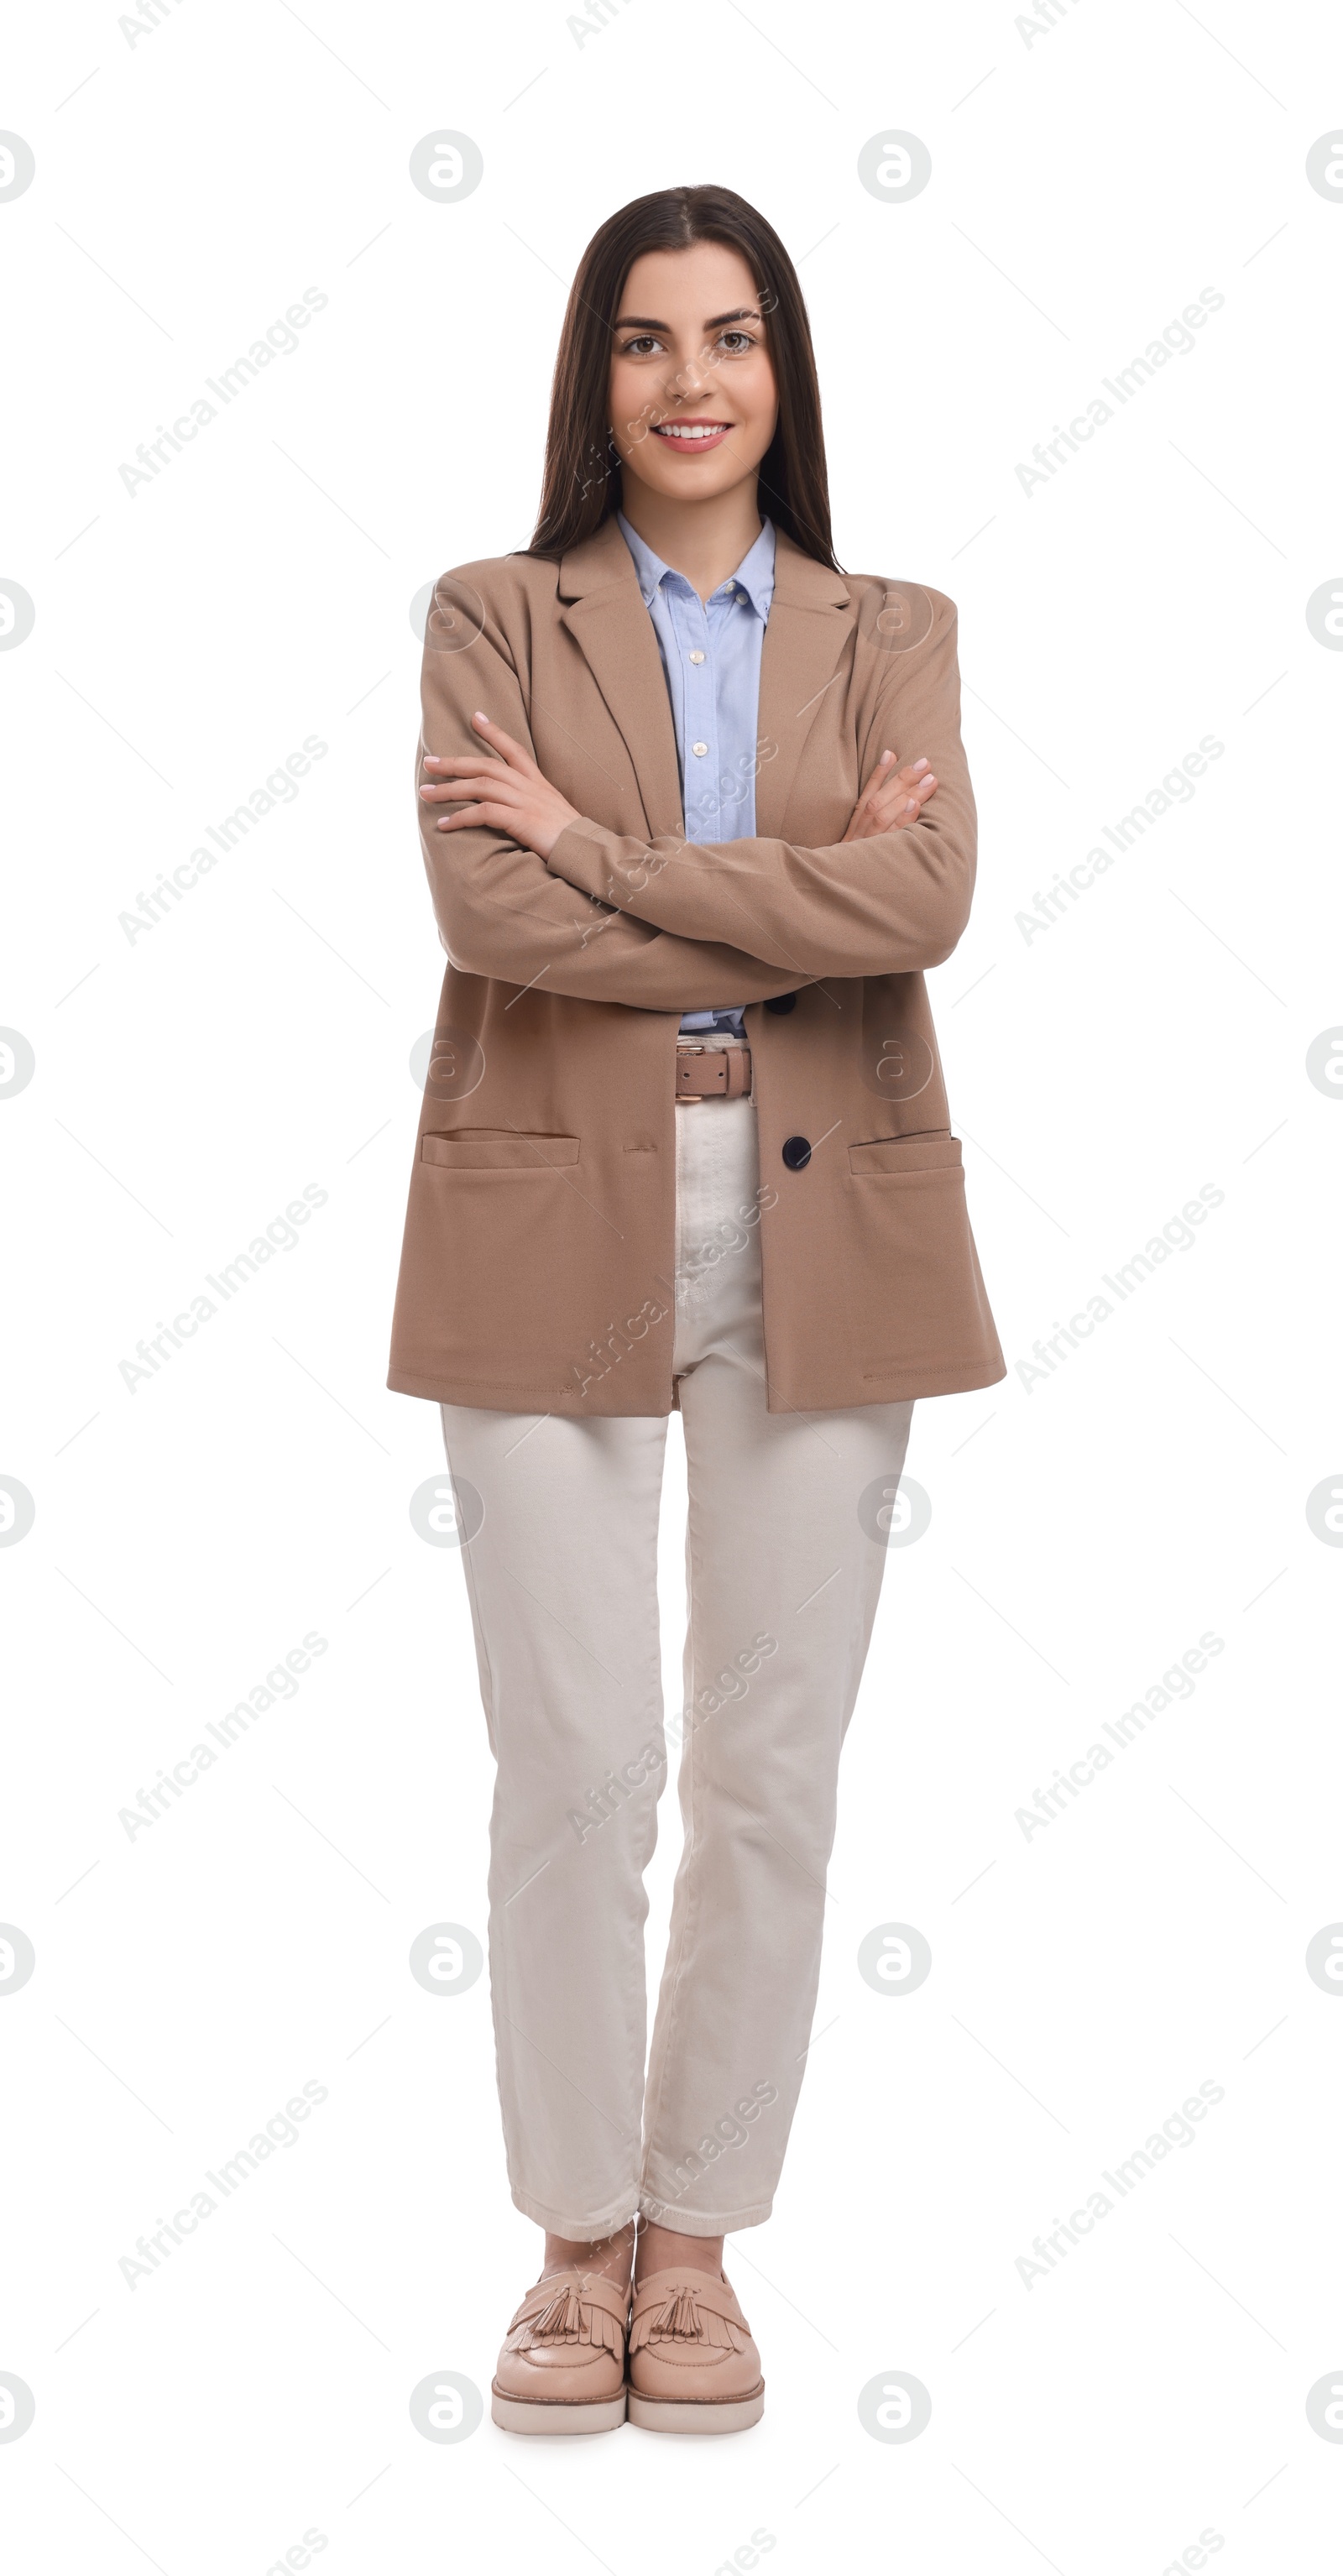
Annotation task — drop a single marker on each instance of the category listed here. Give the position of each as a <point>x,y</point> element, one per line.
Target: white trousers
<point>784,1560</point>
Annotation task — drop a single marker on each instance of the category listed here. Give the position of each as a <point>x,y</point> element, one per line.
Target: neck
<point>704,540</point>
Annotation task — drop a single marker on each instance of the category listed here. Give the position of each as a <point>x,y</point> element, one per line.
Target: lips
<point>692,437</point>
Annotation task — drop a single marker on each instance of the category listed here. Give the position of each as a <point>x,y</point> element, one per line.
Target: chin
<point>679,482</point>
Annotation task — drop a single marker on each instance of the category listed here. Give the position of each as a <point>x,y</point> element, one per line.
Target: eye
<point>742,339</point>
<point>640,347</point>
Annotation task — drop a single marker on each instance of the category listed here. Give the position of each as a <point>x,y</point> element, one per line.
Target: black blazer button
<point>782,1002</point>
<point>796,1152</point>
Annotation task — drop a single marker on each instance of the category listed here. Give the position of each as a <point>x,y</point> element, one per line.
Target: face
<point>693,396</point>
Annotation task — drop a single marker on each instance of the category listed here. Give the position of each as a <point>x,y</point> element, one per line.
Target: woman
<point>696,817</point>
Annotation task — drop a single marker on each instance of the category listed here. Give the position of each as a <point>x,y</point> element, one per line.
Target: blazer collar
<point>605,614</point>
<point>604,557</point>
<point>810,621</point>
<point>806,644</point>
<point>753,576</point>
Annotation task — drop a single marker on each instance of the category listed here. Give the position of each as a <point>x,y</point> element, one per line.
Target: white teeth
<point>712,431</point>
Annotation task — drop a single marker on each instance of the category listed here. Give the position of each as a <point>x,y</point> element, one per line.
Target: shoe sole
<point>692,2415</point>
<point>551,2415</point>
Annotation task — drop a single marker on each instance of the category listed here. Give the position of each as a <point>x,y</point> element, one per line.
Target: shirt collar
<point>754,574</point>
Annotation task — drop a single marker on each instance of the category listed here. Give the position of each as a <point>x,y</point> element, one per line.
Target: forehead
<point>689,285</point>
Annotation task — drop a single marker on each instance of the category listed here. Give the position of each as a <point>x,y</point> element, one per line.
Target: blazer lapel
<point>606,616</point>
<point>810,621</point>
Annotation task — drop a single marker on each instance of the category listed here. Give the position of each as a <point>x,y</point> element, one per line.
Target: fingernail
<point>886,755</point>
<point>918,765</point>
<point>911,805</point>
<point>431,759</point>
<point>479,717</point>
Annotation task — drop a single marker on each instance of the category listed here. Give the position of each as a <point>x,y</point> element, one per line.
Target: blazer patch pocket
<point>497,1149</point>
<point>904,1154</point>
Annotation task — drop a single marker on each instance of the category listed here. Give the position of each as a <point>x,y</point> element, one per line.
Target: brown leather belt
<point>711,1073</point>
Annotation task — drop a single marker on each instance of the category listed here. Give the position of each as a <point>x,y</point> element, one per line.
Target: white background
<point>1088,181</point>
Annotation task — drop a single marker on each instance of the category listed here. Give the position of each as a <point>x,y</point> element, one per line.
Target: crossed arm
<point>535,892</point>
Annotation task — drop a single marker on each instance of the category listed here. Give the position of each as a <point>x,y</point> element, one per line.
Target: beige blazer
<point>540,1244</point>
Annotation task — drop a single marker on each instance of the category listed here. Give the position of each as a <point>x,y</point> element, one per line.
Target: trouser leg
<point>783,1581</point>
<point>562,1581</point>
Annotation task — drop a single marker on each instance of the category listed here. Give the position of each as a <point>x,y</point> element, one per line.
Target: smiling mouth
<point>694,434</point>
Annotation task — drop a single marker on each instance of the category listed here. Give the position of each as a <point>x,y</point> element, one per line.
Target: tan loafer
<point>693,2367</point>
<point>562,2367</point>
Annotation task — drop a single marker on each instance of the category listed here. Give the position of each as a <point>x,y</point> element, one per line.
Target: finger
<point>900,803</point>
<point>883,774</point>
<point>903,790</point>
<point>884,778</point>
<point>899,786</point>
<point>497,816</point>
<point>878,779</point>
<point>477,769</point>
<point>909,807</point>
<point>513,806</point>
<point>494,780</point>
<point>855,827</point>
<point>504,744</point>
<point>908,778</point>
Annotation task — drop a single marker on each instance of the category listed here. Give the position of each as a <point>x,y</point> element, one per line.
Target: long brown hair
<point>582,481</point>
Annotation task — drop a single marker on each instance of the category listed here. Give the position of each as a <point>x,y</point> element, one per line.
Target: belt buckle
<point>691,1099</point>
<point>689,1046</point>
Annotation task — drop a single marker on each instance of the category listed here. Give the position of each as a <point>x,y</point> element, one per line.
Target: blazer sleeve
<point>502,912</point>
<point>890,905</point>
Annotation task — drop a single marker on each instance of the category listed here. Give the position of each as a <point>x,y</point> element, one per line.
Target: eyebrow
<point>647,322</point>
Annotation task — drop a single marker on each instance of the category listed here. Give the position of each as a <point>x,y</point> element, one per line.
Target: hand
<point>508,793</point>
<point>891,799</point>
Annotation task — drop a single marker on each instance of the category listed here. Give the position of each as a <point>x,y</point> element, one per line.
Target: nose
<point>691,377</point>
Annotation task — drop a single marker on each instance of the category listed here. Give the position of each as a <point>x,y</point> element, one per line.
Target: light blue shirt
<point>711,656</point>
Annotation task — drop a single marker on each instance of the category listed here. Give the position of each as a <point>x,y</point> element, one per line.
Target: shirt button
<point>796,1152</point>
<point>697,657</point>
<point>699,749</point>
